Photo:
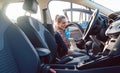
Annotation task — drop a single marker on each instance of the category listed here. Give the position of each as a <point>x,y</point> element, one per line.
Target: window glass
<point>111,4</point>
<point>58,7</point>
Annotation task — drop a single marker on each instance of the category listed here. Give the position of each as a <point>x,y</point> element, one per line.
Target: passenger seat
<point>39,35</point>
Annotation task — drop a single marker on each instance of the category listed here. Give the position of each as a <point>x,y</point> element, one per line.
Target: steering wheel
<point>91,23</point>
<point>79,28</point>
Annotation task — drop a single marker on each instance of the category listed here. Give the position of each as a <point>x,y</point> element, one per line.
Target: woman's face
<point>62,24</point>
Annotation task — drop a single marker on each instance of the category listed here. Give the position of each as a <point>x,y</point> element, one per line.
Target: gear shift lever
<point>88,46</point>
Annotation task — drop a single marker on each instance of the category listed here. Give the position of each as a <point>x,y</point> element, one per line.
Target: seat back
<point>61,45</point>
<point>39,36</point>
<point>17,55</point>
<point>30,26</point>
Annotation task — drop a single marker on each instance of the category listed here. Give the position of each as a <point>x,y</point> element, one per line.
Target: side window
<point>15,10</point>
<point>73,11</point>
<point>56,7</point>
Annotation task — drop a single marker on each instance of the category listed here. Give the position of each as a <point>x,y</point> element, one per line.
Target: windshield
<point>111,4</point>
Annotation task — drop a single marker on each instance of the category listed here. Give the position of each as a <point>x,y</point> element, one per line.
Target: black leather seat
<point>34,31</point>
<point>37,35</point>
<point>61,45</point>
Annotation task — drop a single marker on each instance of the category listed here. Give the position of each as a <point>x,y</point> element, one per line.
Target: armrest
<point>43,51</point>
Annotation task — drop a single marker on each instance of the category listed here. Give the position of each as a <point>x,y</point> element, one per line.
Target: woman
<point>60,26</point>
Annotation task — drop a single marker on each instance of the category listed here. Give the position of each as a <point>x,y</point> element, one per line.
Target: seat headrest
<point>30,6</point>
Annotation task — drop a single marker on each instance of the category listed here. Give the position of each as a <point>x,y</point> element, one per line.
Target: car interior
<point>29,47</point>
